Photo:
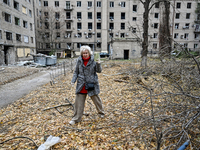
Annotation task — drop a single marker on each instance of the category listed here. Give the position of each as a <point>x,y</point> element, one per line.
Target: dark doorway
<point>68,53</point>
<point>126,54</point>
<point>6,54</point>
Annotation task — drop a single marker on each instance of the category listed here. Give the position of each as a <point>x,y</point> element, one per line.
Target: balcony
<point>68,19</point>
<point>68,8</point>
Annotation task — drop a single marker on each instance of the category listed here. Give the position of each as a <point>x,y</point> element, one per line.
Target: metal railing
<point>61,68</point>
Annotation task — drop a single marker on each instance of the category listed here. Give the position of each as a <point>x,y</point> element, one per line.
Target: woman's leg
<point>79,107</point>
<point>98,103</point>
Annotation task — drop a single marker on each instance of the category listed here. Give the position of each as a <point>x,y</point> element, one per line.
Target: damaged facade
<point>115,27</point>
<point>17,33</point>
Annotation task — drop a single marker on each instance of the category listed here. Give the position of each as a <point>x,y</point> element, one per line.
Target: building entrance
<point>126,54</point>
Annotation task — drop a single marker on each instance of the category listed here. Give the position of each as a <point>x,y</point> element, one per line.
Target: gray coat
<point>88,73</point>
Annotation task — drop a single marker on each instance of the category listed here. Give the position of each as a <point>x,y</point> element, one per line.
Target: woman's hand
<point>99,61</point>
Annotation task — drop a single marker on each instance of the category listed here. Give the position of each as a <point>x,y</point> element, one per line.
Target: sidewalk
<point>12,91</point>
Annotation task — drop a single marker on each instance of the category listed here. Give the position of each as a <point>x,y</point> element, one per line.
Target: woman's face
<point>86,54</point>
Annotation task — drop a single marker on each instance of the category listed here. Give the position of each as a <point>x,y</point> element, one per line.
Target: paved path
<point>11,92</point>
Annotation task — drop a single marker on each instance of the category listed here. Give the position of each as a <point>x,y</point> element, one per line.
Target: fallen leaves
<point>127,123</point>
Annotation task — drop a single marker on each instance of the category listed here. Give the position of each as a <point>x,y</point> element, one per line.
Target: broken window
<point>46,25</point>
<point>8,36</point>
<point>134,19</point>
<point>46,14</point>
<point>155,45</point>
<point>155,35</point>
<point>175,35</point>
<point>79,34</point>
<point>18,37</point>
<point>7,17</point>
<point>7,2</point>
<point>47,45</point>
<point>176,25</point>
<point>58,35</point>
<point>16,5</point>
<point>134,8</point>
<point>155,25</point>
<point>46,35</point>
<point>156,15</point>
<point>186,36</point>
<point>196,36</point>
<point>98,45</point>
<point>31,26</point>
<point>17,21</point>
<point>25,24</point>
<point>195,46</point>
<point>57,45</point>
<point>122,35</point>
<point>30,13</point>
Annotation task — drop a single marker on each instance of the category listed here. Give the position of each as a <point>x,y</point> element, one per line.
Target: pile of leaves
<point>152,108</point>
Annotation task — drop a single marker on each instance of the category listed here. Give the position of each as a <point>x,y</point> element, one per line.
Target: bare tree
<point>148,4</point>
<point>51,33</point>
<point>164,30</point>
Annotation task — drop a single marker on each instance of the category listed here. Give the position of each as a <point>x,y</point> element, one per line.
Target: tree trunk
<point>164,36</point>
<point>145,34</point>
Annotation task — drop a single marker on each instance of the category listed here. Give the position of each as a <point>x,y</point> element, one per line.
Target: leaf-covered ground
<point>45,111</point>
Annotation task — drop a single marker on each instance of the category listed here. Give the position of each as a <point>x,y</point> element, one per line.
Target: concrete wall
<point>1,57</point>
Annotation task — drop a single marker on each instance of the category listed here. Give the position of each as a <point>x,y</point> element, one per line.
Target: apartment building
<point>112,26</point>
<point>17,33</point>
<point>103,25</point>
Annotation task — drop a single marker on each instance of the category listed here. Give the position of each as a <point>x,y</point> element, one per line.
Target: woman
<point>85,72</point>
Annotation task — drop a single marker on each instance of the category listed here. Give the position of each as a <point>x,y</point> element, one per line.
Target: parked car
<point>103,54</point>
